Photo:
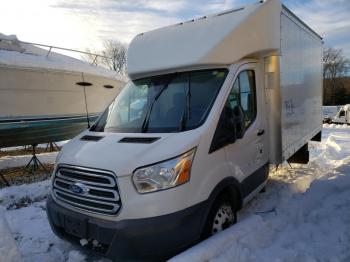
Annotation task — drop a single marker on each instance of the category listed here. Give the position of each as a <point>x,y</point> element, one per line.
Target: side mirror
<point>238,119</point>
<point>229,129</point>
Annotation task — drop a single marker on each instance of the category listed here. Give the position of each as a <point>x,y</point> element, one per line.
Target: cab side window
<point>239,111</point>
<point>243,94</point>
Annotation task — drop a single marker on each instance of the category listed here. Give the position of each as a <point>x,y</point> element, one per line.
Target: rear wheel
<point>221,216</point>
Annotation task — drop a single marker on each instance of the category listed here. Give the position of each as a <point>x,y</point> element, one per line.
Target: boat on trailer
<point>46,96</point>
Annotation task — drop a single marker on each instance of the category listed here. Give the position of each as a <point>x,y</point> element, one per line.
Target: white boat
<point>46,96</point>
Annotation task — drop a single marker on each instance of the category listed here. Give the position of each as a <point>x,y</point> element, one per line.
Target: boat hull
<point>42,130</point>
<point>41,106</point>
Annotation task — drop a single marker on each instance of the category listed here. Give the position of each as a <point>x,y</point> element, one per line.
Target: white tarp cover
<point>219,39</point>
<point>13,53</point>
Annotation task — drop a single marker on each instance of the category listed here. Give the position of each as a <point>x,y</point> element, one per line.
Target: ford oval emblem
<point>78,188</point>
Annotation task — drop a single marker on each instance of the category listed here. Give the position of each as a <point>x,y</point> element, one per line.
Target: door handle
<point>260,132</point>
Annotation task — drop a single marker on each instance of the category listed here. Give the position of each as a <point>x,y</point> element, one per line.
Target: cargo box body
<point>293,83</point>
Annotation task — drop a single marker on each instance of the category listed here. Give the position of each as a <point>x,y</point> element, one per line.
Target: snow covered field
<point>303,216</point>
<point>17,161</point>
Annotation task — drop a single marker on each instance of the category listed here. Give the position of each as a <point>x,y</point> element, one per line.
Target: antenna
<point>85,84</point>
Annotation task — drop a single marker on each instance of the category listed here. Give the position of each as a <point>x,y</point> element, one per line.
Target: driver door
<point>248,156</point>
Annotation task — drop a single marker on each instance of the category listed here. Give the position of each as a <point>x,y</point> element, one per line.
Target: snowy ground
<point>17,161</point>
<point>303,216</point>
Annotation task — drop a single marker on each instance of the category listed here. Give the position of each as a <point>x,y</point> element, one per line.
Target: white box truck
<point>212,102</point>
<point>342,116</point>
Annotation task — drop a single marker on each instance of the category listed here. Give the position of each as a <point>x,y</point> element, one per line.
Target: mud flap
<point>302,156</point>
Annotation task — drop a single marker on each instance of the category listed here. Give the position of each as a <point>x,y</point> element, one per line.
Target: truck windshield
<point>162,104</point>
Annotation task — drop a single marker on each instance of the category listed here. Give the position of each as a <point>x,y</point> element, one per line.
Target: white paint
<point>220,39</point>
<point>342,116</point>
<point>16,54</point>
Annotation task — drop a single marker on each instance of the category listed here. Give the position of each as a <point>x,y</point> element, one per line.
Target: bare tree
<point>112,56</point>
<point>335,65</point>
<point>114,53</point>
<point>92,57</point>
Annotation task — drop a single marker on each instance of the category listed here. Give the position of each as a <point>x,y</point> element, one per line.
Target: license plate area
<point>76,227</point>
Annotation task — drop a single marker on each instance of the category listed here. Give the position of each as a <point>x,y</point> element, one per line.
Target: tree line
<point>112,56</point>
<point>336,78</point>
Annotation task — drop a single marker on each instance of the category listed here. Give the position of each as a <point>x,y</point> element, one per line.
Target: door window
<point>243,94</point>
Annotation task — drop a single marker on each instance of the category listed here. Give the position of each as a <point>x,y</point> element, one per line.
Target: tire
<point>222,215</point>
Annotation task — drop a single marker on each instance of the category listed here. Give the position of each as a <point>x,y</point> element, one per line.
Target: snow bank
<point>15,53</point>
<point>303,216</point>
<point>26,213</point>
<point>220,243</point>
<point>330,111</point>
<point>8,37</point>
<point>8,248</point>
<point>23,195</point>
<point>76,256</point>
<point>33,235</point>
<point>335,147</point>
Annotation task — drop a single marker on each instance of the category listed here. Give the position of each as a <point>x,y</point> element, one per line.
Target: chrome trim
<point>69,183</point>
<point>88,173</point>
<point>85,207</point>
<point>109,185</point>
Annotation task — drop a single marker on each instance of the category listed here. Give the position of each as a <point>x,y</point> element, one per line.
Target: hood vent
<point>139,140</point>
<point>91,138</point>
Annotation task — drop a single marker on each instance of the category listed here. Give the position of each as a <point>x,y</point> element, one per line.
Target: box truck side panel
<point>301,83</point>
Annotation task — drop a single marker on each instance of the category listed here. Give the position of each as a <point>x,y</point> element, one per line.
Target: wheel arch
<point>228,185</point>
<point>231,186</point>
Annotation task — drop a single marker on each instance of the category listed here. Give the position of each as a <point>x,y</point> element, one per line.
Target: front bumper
<point>138,239</point>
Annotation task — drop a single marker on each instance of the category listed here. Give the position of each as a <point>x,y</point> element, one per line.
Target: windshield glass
<point>162,104</point>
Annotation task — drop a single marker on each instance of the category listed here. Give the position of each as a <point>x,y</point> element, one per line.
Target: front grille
<point>88,189</point>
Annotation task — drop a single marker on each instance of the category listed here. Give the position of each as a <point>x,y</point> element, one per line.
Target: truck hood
<point>110,153</point>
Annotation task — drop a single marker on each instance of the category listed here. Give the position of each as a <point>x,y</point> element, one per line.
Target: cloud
<point>123,19</point>
<point>82,24</point>
<point>331,19</point>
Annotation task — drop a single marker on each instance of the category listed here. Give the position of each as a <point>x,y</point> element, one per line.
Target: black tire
<point>220,202</point>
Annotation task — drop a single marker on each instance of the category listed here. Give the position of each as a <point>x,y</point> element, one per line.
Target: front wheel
<point>221,216</point>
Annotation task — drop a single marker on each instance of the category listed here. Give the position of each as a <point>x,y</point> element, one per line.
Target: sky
<point>82,24</point>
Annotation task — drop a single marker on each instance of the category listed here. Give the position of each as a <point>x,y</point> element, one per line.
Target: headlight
<point>164,175</point>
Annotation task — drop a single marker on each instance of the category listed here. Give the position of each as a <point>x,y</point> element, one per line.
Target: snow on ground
<point>17,161</point>
<point>26,215</point>
<point>8,248</point>
<point>303,216</point>
<point>60,144</point>
<point>23,195</point>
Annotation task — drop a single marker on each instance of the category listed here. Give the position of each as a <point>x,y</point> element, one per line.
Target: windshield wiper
<point>187,110</point>
<point>148,114</point>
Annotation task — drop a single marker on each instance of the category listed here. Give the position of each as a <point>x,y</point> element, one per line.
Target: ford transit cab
<point>211,103</point>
